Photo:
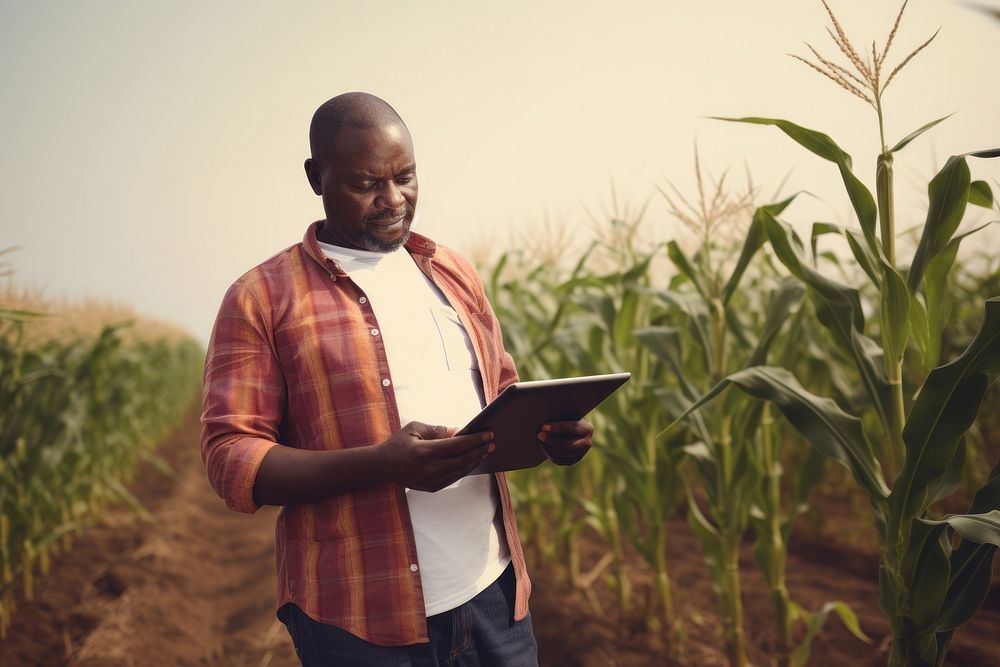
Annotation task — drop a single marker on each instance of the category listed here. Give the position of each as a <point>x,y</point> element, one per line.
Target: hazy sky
<point>152,151</point>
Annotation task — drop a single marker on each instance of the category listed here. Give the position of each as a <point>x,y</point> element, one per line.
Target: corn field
<point>772,358</point>
<point>753,368</point>
<point>78,410</point>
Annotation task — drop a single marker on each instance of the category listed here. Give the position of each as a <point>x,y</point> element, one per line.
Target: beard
<point>364,234</point>
<point>373,243</point>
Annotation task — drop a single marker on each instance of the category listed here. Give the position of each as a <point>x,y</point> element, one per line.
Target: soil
<point>193,585</point>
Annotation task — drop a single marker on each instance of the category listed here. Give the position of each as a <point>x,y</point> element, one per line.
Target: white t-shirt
<point>435,376</point>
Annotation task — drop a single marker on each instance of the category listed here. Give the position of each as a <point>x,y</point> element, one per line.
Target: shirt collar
<point>416,244</point>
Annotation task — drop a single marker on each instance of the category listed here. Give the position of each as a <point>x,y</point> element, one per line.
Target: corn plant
<point>532,306</point>
<point>75,418</point>
<point>583,324</point>
<point>719,443</point>
<point>734,448</point>
<point>927,588</point>
<point>644,488</point>
<point>776,509</point>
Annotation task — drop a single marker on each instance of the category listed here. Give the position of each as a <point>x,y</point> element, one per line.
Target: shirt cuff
<point>236,473</point>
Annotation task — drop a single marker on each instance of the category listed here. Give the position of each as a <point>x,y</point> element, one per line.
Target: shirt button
<point>385,382</point>
<point>374,332</point>
<point>363,300</point>
<point>413,567</point>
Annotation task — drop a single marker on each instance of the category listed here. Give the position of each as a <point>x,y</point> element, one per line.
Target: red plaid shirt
<point>292,361</point>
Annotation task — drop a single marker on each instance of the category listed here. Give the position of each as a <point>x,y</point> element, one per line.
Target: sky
<point>152,151</point>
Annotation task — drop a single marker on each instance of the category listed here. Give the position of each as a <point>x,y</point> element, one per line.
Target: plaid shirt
<point>292,361</point>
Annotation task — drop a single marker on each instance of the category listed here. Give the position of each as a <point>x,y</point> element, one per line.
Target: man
<point>388,552</point>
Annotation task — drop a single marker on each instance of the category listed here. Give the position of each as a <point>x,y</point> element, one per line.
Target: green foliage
<point>75,417</point>
<point>577,325</point>
<point>678,322</point>
<point>923,433</point>
<point>717,339</point>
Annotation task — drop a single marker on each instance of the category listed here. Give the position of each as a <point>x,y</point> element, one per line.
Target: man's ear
<point>313,175</point>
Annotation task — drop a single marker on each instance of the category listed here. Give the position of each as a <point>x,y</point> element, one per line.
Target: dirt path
<point>192,585</point>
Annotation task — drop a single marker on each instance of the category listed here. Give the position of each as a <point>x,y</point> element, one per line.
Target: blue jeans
<point>479,633</point>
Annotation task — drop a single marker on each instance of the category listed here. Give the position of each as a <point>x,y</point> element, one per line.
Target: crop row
<point>76,416</point>
<point>758,357</point>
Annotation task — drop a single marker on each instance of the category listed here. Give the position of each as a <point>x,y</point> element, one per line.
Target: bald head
<point>359,110</point>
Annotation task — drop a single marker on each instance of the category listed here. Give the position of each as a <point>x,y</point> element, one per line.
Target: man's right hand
<point>429,458</point>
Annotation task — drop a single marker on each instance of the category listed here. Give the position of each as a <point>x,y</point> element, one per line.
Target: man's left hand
<point>565,443</point>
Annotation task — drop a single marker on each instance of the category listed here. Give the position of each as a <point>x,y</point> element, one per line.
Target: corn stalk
<point>75,418</point>
<point>730,451</point>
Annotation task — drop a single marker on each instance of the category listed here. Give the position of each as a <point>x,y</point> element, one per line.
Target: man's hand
<point>565,443</point>
<point>429,458</point>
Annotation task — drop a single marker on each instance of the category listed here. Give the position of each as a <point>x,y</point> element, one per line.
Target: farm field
<point>804,469</point>
<point>193,586</point>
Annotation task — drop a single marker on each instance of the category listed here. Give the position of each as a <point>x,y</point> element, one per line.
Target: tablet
<point>518,413</point>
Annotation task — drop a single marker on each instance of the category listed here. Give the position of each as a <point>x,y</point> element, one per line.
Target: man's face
<point>368,182</point>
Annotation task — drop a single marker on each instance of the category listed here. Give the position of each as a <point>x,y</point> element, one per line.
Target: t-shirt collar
<point>417,244</point>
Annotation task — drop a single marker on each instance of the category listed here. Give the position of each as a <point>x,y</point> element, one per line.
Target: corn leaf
<point>839,310</point>
<point>813,141</point>
<point>683,265</point>
<point>936,289</point>
<point>920,332</point>
<point>738,328</point>
<point>665,343</point>
<point>866,259</point>
<point>160,464</point>
<point>971,565</point>
<point>816,622</point>
<point>783,301</point>
<point>945,408</point>
<point>756,236</point>
<point>17,315</point>
<point>823,146</point>
<point>843,299</point>
<point>695,311</point>
<point>829,429</point>
<point>706,532</point>
<point>926,569</point>
<point>916,133</point>
<point>980,194</point>
<point>951,480</point>
<point>624,321</point>
<point>821,229</point>
<point>979,528</point>
<point>988,497</point>
<point>967,589</point>
<point>494,280</point>
<point>948,194</point>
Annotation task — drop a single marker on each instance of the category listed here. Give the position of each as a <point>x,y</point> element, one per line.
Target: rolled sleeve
<point>243,398</point>
<point>232,470</point>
